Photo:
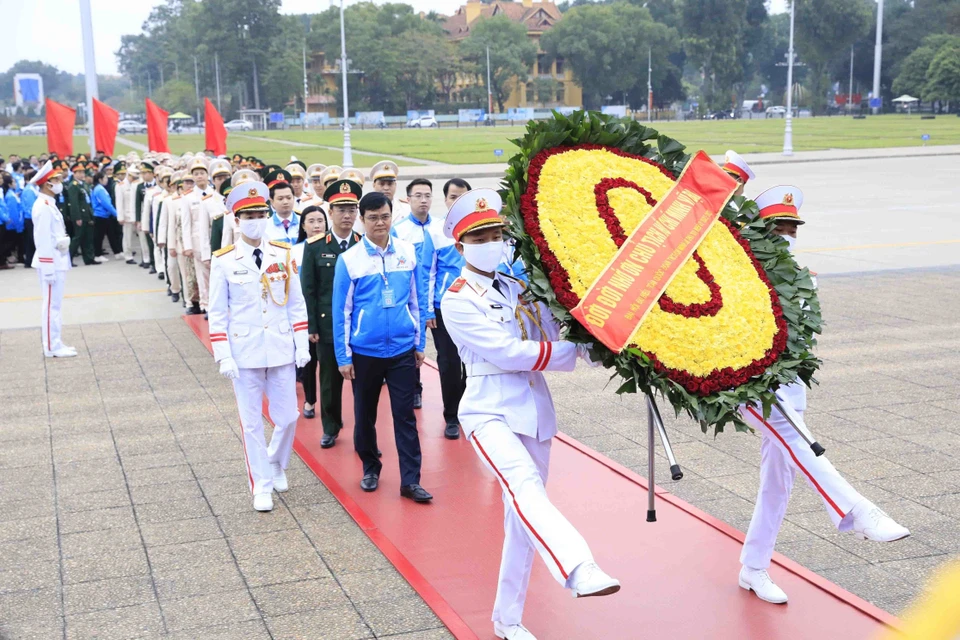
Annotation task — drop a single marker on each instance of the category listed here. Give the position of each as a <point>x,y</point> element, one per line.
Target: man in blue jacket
<point>379,295</point>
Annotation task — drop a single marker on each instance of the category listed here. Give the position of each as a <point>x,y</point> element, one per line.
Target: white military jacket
<point>257,316</point>
<point>50,237</point>
<point>504,355</point>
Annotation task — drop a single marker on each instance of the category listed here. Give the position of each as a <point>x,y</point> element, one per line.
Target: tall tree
<point>943,76</point>
<point>607,45</point>
<point>512,54</point>
<point>824,31</point>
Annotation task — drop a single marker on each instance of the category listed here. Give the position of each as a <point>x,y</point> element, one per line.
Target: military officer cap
<point>353,174</point>
<point>133,170</point>
<point>238,158</point>
<point>386,170</point>
<point>295,160</point>
<point>82,158</point>
<point>199,162</point>
<point>147,166</point>
<point>737,167</point>
<point>780,203</point>
<point>78,167</point>
<point>243,175</point>
<point>226,188</point>
<point>219,167</point>
<point>46,172</point>
<point>177,177</point>
<point>163,171</point>
<point>278,177</point>
<point>120,168</point>
<point>314,170</point>
<point>330,174</point>
<point>105,160</point>
<point>251,196</point>
<point>474,210</point>
<point>296,170</point>
<point>343,192</point>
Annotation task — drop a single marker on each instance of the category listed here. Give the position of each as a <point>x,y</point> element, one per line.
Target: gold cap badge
<point>481,204</point>
<point>345,188</point>
<point>788,199</point>
<point>252,192</point>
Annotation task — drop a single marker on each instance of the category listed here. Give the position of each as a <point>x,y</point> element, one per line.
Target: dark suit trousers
<point>369,374</point>
<point>331,389</point>
<point>453,381</point>
<point>308,376</point>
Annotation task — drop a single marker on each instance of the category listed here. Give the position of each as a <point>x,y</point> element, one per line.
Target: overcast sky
<point>49,30</point>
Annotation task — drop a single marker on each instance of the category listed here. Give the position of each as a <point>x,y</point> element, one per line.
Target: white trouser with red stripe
<point>531,522</point>
<point>279,385</point>
<point>50,320</point>
<point>783,454</point>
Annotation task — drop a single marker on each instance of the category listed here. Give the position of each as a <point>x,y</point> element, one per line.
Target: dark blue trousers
<point>400,374</point>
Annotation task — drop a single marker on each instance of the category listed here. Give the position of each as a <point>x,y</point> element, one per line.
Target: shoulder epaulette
<point>328,237</point>
<point>209,195</point>
<point>457,285</point>
<point>224,250</point>
<point>316,238</point>
<point>404,200</point>
<point>282,245</point>
<point>219,215</point>
<point>356,237</point>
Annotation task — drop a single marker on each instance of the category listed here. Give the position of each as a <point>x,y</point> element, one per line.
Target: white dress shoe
<point>512,632</point>
<point>69,348</point>
<point>590,580</point>
<point>100,259</point>
<point>119,256</point>
<point>760,582</point>
<point>62,352</point>
<point>263,502</point>
<point>279,478</point>
<point>871,523</point>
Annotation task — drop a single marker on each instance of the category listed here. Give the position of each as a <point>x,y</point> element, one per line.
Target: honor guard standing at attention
<point>164,205</point>
<point>317,275</point>
<point>784,453</point>
<point>149,220</point>
<point>384,176</point>
<point>228,228</point>
<point>378,332</point>
<point>51,259</point>
<point>175,222</point>
<point>146,242</point>
<point>738,168</point>
<point>198,205</point>
<point>258,328</point>
<point>284,224</point>
<point>507,412</point>
<point>125,212</point>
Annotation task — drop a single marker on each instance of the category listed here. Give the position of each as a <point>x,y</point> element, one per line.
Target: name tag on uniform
<point>328,255</point>
<point>387,297</point>
<point>241,272</point>
<point>496,306</point>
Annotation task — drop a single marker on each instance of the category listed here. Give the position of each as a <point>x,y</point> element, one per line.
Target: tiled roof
<point>540,16</point>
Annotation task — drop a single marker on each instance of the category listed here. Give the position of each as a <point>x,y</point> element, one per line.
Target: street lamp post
<point>649,84</point>
<point>489,89</point>
<point>347,151</point>
<point>878,53</point>
<point>788,126</point>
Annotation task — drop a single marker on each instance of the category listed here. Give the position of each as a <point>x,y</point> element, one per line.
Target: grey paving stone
<point>28,528</point>
<point>180,531</point>
<point>111,593</point>
<point>298,597</point>
<point>104,563</point>
<point>31,629</point>
<point>389,617</point>
<point>181,509</point>
<point>250,630</point>
<point>179,557</point>
<point>170,491</point>
<point>159,475</point>
<point>336,623</point>
<point>247,522</point>
<point>280,556</point>
<point>197,580</point>
<point>223,607</point>
<point>35,575</point>
<point>88,541</point>
<point>30,605</point>
<point>431,634</point>
<point>385,584</point>
<point>119,624</point>
<point>96,520</point>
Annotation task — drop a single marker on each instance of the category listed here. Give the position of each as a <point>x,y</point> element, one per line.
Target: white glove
<point>583,352</point>
<point>302,357</point>
<point>228,369</point>
<point>63,244</point>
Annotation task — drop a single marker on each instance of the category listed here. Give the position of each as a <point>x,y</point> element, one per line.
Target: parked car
<point>131,126</point>
<point>35,129</point>
<point>718,115</point>
<point>423,122</point>
<point>776,111</point>
<point>239,125</point>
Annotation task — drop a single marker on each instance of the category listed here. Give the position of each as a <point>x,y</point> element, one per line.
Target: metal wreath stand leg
<point>655,422</point>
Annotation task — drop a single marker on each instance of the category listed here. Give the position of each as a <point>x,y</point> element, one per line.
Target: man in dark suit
<point>316,275</point>
<point>143,217</point>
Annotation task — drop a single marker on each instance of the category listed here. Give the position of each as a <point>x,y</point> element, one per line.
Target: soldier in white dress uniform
<point>784,453</point>
<point>258,329</point>
<point>507,412</point>
<point>51,259</point>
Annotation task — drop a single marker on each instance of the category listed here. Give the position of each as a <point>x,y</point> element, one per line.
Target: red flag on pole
<point>105,119</point>
<point>60,121</point>
<point>156,127</point>
<point>216,132</point>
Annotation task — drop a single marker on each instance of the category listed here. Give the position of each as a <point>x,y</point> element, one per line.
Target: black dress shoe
<point>131,261</point>
<point>144,265</point>
<point>379,453</point>
<point>417,400</point>
<point>452,432</point>
<point>194,310</point>
<point>175,297</point>
<point>327,441</point>
<point>370,482</point>
<point>416,493</point>
<point>152,270</point>
<point>160,276</point>
<point>169,293</point>
<point>310,413</point>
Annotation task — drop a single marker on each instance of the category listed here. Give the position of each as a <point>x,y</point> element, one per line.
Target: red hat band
<point>736,172</point>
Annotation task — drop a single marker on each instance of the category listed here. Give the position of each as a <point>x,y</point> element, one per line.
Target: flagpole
<point>216,62</point>
<point>347,151</point>
<point>788,124</point>
<point>89,69</point>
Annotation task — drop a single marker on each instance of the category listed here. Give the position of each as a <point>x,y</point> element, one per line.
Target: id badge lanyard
<point>387,297</point>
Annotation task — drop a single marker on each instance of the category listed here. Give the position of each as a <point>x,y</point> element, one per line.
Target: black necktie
<point>496,285</point>
<point>257,256</point>
<point>343,245</point>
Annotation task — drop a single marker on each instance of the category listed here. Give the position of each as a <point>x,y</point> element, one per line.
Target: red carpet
<point>679,575</point>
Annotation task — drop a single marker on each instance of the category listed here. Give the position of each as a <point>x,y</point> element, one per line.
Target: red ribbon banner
<point>621,297</point>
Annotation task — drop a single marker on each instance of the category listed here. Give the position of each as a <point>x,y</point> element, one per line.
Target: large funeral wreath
<point>739,319</point>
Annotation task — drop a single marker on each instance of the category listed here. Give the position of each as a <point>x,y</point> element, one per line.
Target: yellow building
<point>547,85</point>
<point>324,78</point>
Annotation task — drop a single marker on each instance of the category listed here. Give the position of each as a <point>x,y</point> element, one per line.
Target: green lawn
<point>476,145</point>
<point>471,145</point>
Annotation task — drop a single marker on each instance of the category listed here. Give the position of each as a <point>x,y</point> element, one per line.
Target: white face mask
<point>253,229</point>
<point>57,188</point>
<point>791,242</point>
<point>484,257</point>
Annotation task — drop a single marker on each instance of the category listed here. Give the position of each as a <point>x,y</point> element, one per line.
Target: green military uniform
<point>144,222</point>
<point>316,278</point>
<point>81,217</point>
<point>216,226</point>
